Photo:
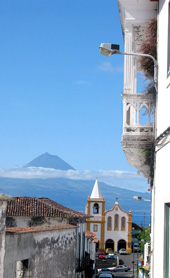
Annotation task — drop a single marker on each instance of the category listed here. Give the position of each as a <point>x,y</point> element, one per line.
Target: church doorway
<point>109,244</point>
<point>121,244</point>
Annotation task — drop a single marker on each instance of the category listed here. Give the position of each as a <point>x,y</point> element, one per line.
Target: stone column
<point>130,76</point>
<point>129,64</point>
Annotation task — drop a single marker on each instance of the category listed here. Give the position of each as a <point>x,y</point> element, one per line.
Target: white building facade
<point>161,189</point>
<point>118,229</point>
<point>152,138</point>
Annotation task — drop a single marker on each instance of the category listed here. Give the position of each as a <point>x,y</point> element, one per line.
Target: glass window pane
<point>116,221</point>
<point>123,223</point>
<point>109,223</point>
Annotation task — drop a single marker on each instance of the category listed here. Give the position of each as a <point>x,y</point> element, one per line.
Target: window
<point>96,208</point>
<point>168,67</point>
<point>95,228</point>
<point>123,223</point>
<point>22,268</point>
<point>109,223</point>
<point>116,222</point>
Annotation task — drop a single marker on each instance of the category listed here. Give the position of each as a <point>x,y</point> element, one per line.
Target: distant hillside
<point>47,160</point>
<point>74,194</point>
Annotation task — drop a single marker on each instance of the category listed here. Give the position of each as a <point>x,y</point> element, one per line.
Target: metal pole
<point>143,55</point>
<point>137,261</point>
<point>133,259</point>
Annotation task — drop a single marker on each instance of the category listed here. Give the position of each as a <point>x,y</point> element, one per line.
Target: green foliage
<point>147,156</point>
<point>143,237</point>
<point>149,47</point>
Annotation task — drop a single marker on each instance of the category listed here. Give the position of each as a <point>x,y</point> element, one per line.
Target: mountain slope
<point>47,160</point>
<point>74,194</point>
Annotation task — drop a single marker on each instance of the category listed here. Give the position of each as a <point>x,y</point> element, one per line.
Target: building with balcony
<point>138,107</point>
<point>146,144</point>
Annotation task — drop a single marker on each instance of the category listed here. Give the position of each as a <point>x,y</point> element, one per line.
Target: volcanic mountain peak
<point>47,160</point>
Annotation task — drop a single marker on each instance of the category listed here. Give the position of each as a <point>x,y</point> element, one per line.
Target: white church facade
<point>113,228</point>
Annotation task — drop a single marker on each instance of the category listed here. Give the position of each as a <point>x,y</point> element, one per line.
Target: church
<point>113,228</point>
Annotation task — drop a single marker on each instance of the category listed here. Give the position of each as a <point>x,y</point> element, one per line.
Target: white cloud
<point>118,178</point>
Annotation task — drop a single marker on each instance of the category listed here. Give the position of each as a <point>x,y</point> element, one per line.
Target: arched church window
<point>116,222</point>
<point>109,223</point>
<point>96,208</point>
<point>123,223</point>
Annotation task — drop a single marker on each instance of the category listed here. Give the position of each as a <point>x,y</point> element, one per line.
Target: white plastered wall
<point>161,191</point>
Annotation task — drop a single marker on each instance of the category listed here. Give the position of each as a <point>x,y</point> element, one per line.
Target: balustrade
<point>138,114</point>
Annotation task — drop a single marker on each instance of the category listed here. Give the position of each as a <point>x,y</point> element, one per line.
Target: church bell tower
<point>96,209</point>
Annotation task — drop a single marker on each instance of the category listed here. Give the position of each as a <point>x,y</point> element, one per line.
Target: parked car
<point>108,250</point>
<point>122,251</point>
<point>111,256</point>
<point>101,250</point>
<point>105,275</point>
<point>105,271</point>
<point>122,268</point>
<point>136,247</point>
<point>101,255</point>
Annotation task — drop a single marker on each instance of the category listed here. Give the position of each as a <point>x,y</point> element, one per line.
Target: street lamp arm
<point>138,198</point>
<point>109,49</point>
<point>137,54</point>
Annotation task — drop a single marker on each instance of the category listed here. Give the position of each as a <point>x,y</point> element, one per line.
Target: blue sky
<point>58,93</point>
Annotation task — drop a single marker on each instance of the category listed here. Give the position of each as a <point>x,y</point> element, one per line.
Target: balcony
<point>138,130</point>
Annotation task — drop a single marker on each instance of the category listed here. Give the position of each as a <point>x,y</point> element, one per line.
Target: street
<point>123,259</point>
<point>128,259</point>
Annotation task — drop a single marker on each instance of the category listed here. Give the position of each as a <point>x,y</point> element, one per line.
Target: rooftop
<point>96,194</point>
<point>93,235</point>
<point>32,206</point>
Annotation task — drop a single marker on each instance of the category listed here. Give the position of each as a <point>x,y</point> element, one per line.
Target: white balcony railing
<point>138,114</point>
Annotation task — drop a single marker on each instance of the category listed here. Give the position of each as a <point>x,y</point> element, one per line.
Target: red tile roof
<point>21,230</point>
<point>93,235</point>
<point>32,206</point>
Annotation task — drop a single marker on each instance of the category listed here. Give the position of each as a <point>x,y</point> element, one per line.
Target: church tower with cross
<point>113,228</point>
<point>96,208</point>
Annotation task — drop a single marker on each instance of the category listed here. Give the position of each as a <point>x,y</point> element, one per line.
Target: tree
<point>144,236</point>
